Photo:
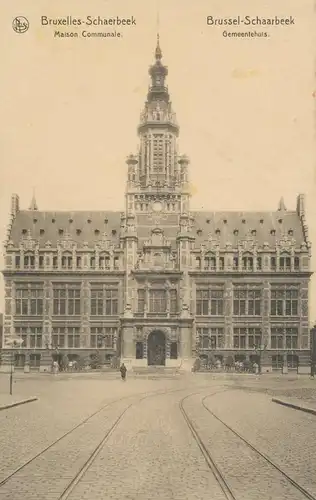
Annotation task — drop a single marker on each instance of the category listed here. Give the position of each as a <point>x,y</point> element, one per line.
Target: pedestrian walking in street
<point>123,371</point>
<point>55,367</point>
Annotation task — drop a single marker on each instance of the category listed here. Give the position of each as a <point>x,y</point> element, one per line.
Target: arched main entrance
<point>156,348</point>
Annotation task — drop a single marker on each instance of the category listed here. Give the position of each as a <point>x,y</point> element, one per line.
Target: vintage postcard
<point>158,223</point>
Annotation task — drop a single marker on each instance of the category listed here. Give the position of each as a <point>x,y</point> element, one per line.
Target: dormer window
<point>71,221</point>
<point>78,232</point>
<point>60,232</point>
<point>42,232</point>
<point>280,221</point>
<point>106,221</point>
<point>272,232</point>
<point>199,232</point>
<point>225,221</point>
<point>113,232</point>
<point>235,232</point>
<point>253,232</point>
<point>217,232</point>
<point>24,231</point>
<point>34,220</point>
<point>243,221</point>
<point>208,221</point>
<point>290,232</point>
<point>89,221</point>
<point>261,221</point>
<point>96,232</point>
<point>53,221</point>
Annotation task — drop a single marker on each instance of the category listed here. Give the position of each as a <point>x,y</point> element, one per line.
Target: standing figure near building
<point>123,371</point>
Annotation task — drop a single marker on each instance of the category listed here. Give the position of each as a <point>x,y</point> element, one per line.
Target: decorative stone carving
<point>286,243</point>
<point>247,244</point>
<point>28,243</point>
<point>212,243</point>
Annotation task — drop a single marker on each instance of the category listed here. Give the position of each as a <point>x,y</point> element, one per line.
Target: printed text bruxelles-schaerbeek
<point>88,21</point>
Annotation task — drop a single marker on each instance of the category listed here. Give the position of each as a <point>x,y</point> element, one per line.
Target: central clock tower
<point>157,176</point>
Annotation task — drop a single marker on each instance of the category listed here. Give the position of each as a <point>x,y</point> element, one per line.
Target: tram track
<point>42,455</point>
<point>220,476</point>
<point>268,460</point>
<point>103,407</point>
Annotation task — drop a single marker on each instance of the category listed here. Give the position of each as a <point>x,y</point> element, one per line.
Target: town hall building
<point>158,283</point>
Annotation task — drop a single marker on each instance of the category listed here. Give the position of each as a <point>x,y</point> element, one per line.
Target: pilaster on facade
<point>48,312</point>
<point>266,300</point>
<point>304,326</point>
<point>85,313</point>
<point>228,313</point>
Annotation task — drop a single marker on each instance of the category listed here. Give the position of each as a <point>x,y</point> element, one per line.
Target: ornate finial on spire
<point>33,205</point>
<point>282,207</point>
<point>158,53</point>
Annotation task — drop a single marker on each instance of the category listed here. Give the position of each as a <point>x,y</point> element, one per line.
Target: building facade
<point>158,283</point>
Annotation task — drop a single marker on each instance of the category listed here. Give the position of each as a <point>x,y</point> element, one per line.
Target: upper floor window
<point>17,262</point>
<point>58,337</point>
<point>104,261</point>
<point>22,332</point>
<point>104,301</point>
<point>141,300</point>
<point>29,301</point>
<point>29,261</point>
<point>285,263</point>
<point>66,262</point>
<point>101,337</point>
<point>284,338</point>
<point>211,338</point>
<point>209,302</point>
<point>284,301</point>
<point>210,262</point>
<point>296,263</point>
<point>247,302</point>
<point>247,338</point>
<point>36,337</point>
<point>247,263</point>
<point>173,301</point>
<point>157,301</point>
<point>66,300</point>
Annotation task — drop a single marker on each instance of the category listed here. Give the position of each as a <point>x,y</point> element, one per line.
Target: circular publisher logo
<point>20,24</point>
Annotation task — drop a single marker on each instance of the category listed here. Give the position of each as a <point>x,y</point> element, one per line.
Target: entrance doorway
<point>156,348</point>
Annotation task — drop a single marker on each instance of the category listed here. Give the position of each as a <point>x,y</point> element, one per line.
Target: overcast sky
<point>70,107</point>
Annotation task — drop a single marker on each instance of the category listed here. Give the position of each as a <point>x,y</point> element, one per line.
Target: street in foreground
<point>188,436</point>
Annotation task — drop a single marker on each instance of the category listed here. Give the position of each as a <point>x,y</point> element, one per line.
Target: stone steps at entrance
<point>161,370</point>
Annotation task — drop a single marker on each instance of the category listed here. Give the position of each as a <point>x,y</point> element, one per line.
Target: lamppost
<point>259,350</point>
<point>13,342</point>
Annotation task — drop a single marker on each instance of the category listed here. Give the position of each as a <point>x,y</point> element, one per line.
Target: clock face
<point>157,206</point>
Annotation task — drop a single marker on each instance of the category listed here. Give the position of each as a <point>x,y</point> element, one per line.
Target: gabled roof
<point>81,226</point>
<point>234,226</point>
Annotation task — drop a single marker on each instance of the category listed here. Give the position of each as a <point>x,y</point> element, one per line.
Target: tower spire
<point>158,52</point>
<point>33,205</point>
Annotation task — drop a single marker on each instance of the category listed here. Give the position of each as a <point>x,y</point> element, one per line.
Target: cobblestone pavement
<point>286,436</point>
<point>62,404</point>
<point>151,454</point>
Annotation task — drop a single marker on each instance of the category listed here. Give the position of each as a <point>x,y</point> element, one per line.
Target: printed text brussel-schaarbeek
<point>250,21</point>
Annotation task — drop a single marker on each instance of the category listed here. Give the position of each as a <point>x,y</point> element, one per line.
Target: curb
<point>294,406</point>
<point>17,403</point>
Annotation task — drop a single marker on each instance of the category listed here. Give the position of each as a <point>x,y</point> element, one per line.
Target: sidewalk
<point>7,401</point>
<point>308,406</point>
